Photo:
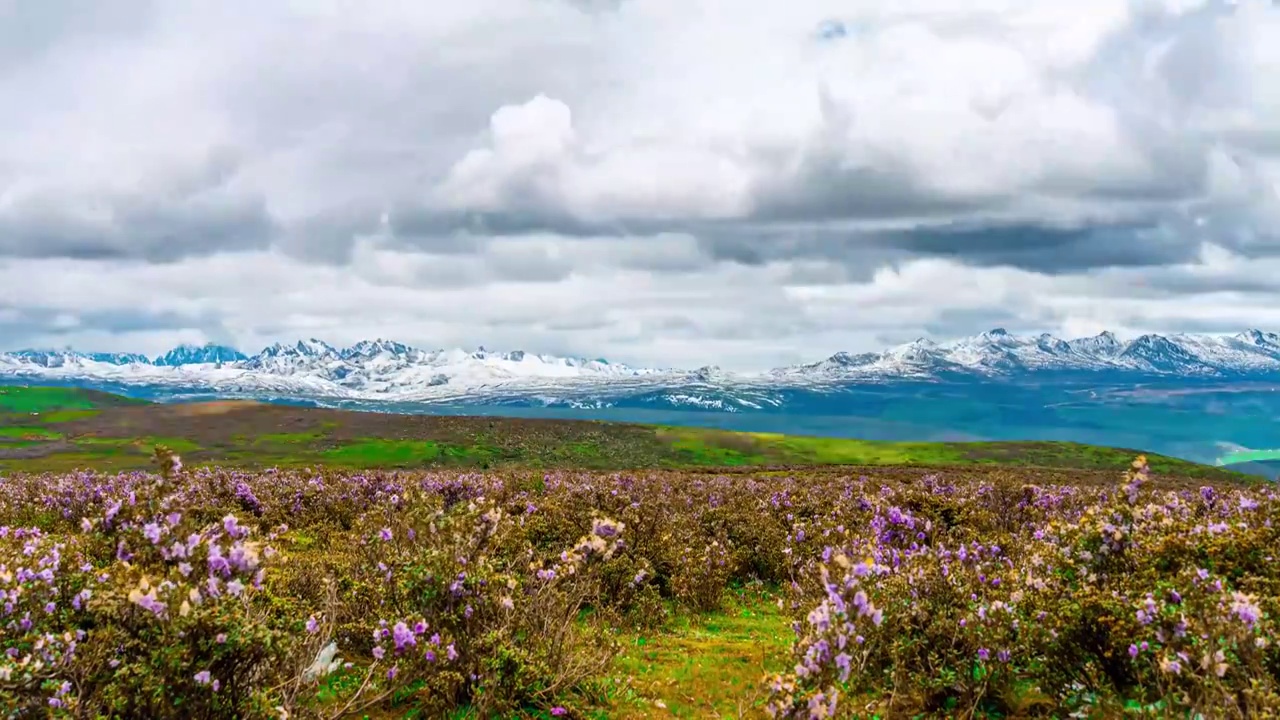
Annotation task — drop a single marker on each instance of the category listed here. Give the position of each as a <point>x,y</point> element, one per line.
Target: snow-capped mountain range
<point>387,371</point>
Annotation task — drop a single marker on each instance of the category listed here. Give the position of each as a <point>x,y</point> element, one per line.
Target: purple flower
<point>984,654</point>
<point>1243,607</point>
<point>558,711</point>
<point>605,528</point>
<point>385,534</point>
<point>843,664</point>
<point>402,636</point>
<point>232,526</point>
<point>202,677</point>
<point>312,626</point>
<point>151,531</point>
<point>379,652</point>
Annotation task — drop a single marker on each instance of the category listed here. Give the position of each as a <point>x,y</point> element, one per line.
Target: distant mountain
<point>197,355</point>
<point>388,371</point>
<point>1269,469</point>
<point>997,353</point>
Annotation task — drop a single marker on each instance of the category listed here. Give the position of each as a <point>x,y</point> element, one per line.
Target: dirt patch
<point>230,424</point>
<point>30,452</point>
<point>219,407</point>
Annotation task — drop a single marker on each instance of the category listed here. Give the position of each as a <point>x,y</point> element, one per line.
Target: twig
<point>367,677</point>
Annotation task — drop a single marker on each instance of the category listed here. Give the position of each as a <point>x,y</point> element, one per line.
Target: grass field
<point>63,429</point>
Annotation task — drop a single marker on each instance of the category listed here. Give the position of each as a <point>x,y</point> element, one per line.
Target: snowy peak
<point>47,358</point>
<point>1270,341</point>
<point>1053,345</point>
<point>1161,354</point>
<point>1103,344</point>
<point>998,352</point>
<point>118,358</point>
<point>388,370</point>
<point>198,355</point>
<point>379,347</point>
<point>311,357</point>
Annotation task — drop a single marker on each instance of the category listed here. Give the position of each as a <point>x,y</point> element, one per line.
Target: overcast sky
<point>748,183</point>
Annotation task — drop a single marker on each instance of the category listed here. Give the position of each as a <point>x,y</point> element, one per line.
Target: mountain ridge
<point>388,370</point>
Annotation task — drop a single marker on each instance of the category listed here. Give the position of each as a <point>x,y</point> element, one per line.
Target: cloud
<point>682,182</point>
<point>1049,112</point>
<point>735,315</point>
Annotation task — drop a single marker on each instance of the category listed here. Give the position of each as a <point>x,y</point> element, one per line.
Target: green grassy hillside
<point>62,429</point>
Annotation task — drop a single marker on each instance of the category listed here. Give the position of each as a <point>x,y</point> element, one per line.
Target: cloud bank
<point>680,183</point>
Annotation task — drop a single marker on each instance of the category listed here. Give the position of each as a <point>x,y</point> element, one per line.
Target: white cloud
<point>740,317</point>
<point>726,174</point>
<point>1044,110</point>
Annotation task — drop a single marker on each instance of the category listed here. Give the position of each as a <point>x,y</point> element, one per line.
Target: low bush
<point>212,593</point>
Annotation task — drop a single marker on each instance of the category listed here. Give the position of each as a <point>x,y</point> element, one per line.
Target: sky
<point>744,183</point>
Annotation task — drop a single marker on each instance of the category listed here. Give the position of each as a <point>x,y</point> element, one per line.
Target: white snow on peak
<point>392,371</point>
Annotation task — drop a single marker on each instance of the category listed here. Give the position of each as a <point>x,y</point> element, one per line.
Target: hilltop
<point>65,428</point>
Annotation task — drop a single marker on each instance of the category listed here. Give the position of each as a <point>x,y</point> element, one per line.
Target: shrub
<point>995,601</point>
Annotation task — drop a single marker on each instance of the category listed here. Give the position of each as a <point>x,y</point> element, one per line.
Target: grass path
<point>704,666</point>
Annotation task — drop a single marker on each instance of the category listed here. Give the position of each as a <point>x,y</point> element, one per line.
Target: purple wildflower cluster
<point>946,589</point>
<point>897,598</point>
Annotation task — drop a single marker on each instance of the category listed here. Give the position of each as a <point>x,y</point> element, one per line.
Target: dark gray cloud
<point>451,231</point>
<point>193,210</point>
<point>138,228</point>
<point>45,328</point>
<point>1047,249</point>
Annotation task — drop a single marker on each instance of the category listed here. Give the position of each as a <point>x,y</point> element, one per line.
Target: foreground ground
<point>879,592</point>
<point>62,429</point>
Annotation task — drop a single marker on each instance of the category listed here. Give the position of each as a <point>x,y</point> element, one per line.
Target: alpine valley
<point>1202,397</point>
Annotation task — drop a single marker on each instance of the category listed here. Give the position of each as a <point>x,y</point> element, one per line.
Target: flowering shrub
<point>981,599</point>
<point>211,593</point>
<point>132,601</point>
